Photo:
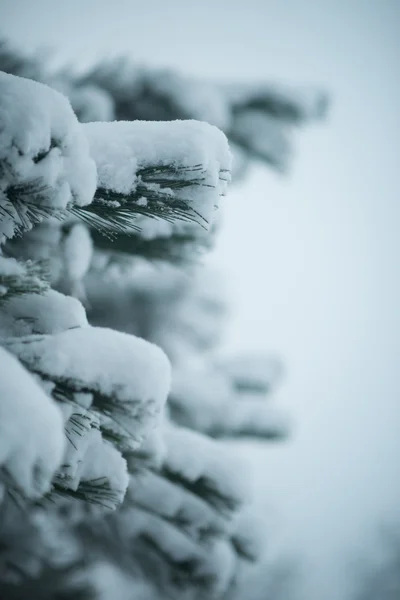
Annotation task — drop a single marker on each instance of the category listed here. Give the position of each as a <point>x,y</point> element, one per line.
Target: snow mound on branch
<point>120,148</point>
<point>128,376</point>
<point>31,429</point>
<point>42,148</point>
<point>46,313</point>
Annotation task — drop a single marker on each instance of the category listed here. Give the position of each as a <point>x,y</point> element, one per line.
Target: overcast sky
<point>312,260</point>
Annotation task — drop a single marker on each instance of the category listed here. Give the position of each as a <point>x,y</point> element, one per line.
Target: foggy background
<point>311,259</point>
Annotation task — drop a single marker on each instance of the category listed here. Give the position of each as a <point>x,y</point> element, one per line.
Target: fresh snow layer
<point>120,148</point>
<point>31,429</point>
<point>41,145</point>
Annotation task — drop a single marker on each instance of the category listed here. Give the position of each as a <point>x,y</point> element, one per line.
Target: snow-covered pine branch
<point>112,388</point>
<point>154,177</point>
<point>128,377</point>
<point>20,278</point>
<point>229,399</point>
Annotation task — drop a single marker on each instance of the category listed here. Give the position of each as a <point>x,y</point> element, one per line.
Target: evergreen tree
<point>114,397</point>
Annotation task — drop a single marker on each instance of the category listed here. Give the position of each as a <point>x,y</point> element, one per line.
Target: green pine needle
<point>206,489</point>
<point>155,196</point>
<point>94,491</point>
<point>179,248</point>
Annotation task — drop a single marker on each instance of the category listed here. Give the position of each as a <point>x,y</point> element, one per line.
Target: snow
<point>130,374</point>
<point>41,145</point>
<point>32,437</point>
<point>50,312</point>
